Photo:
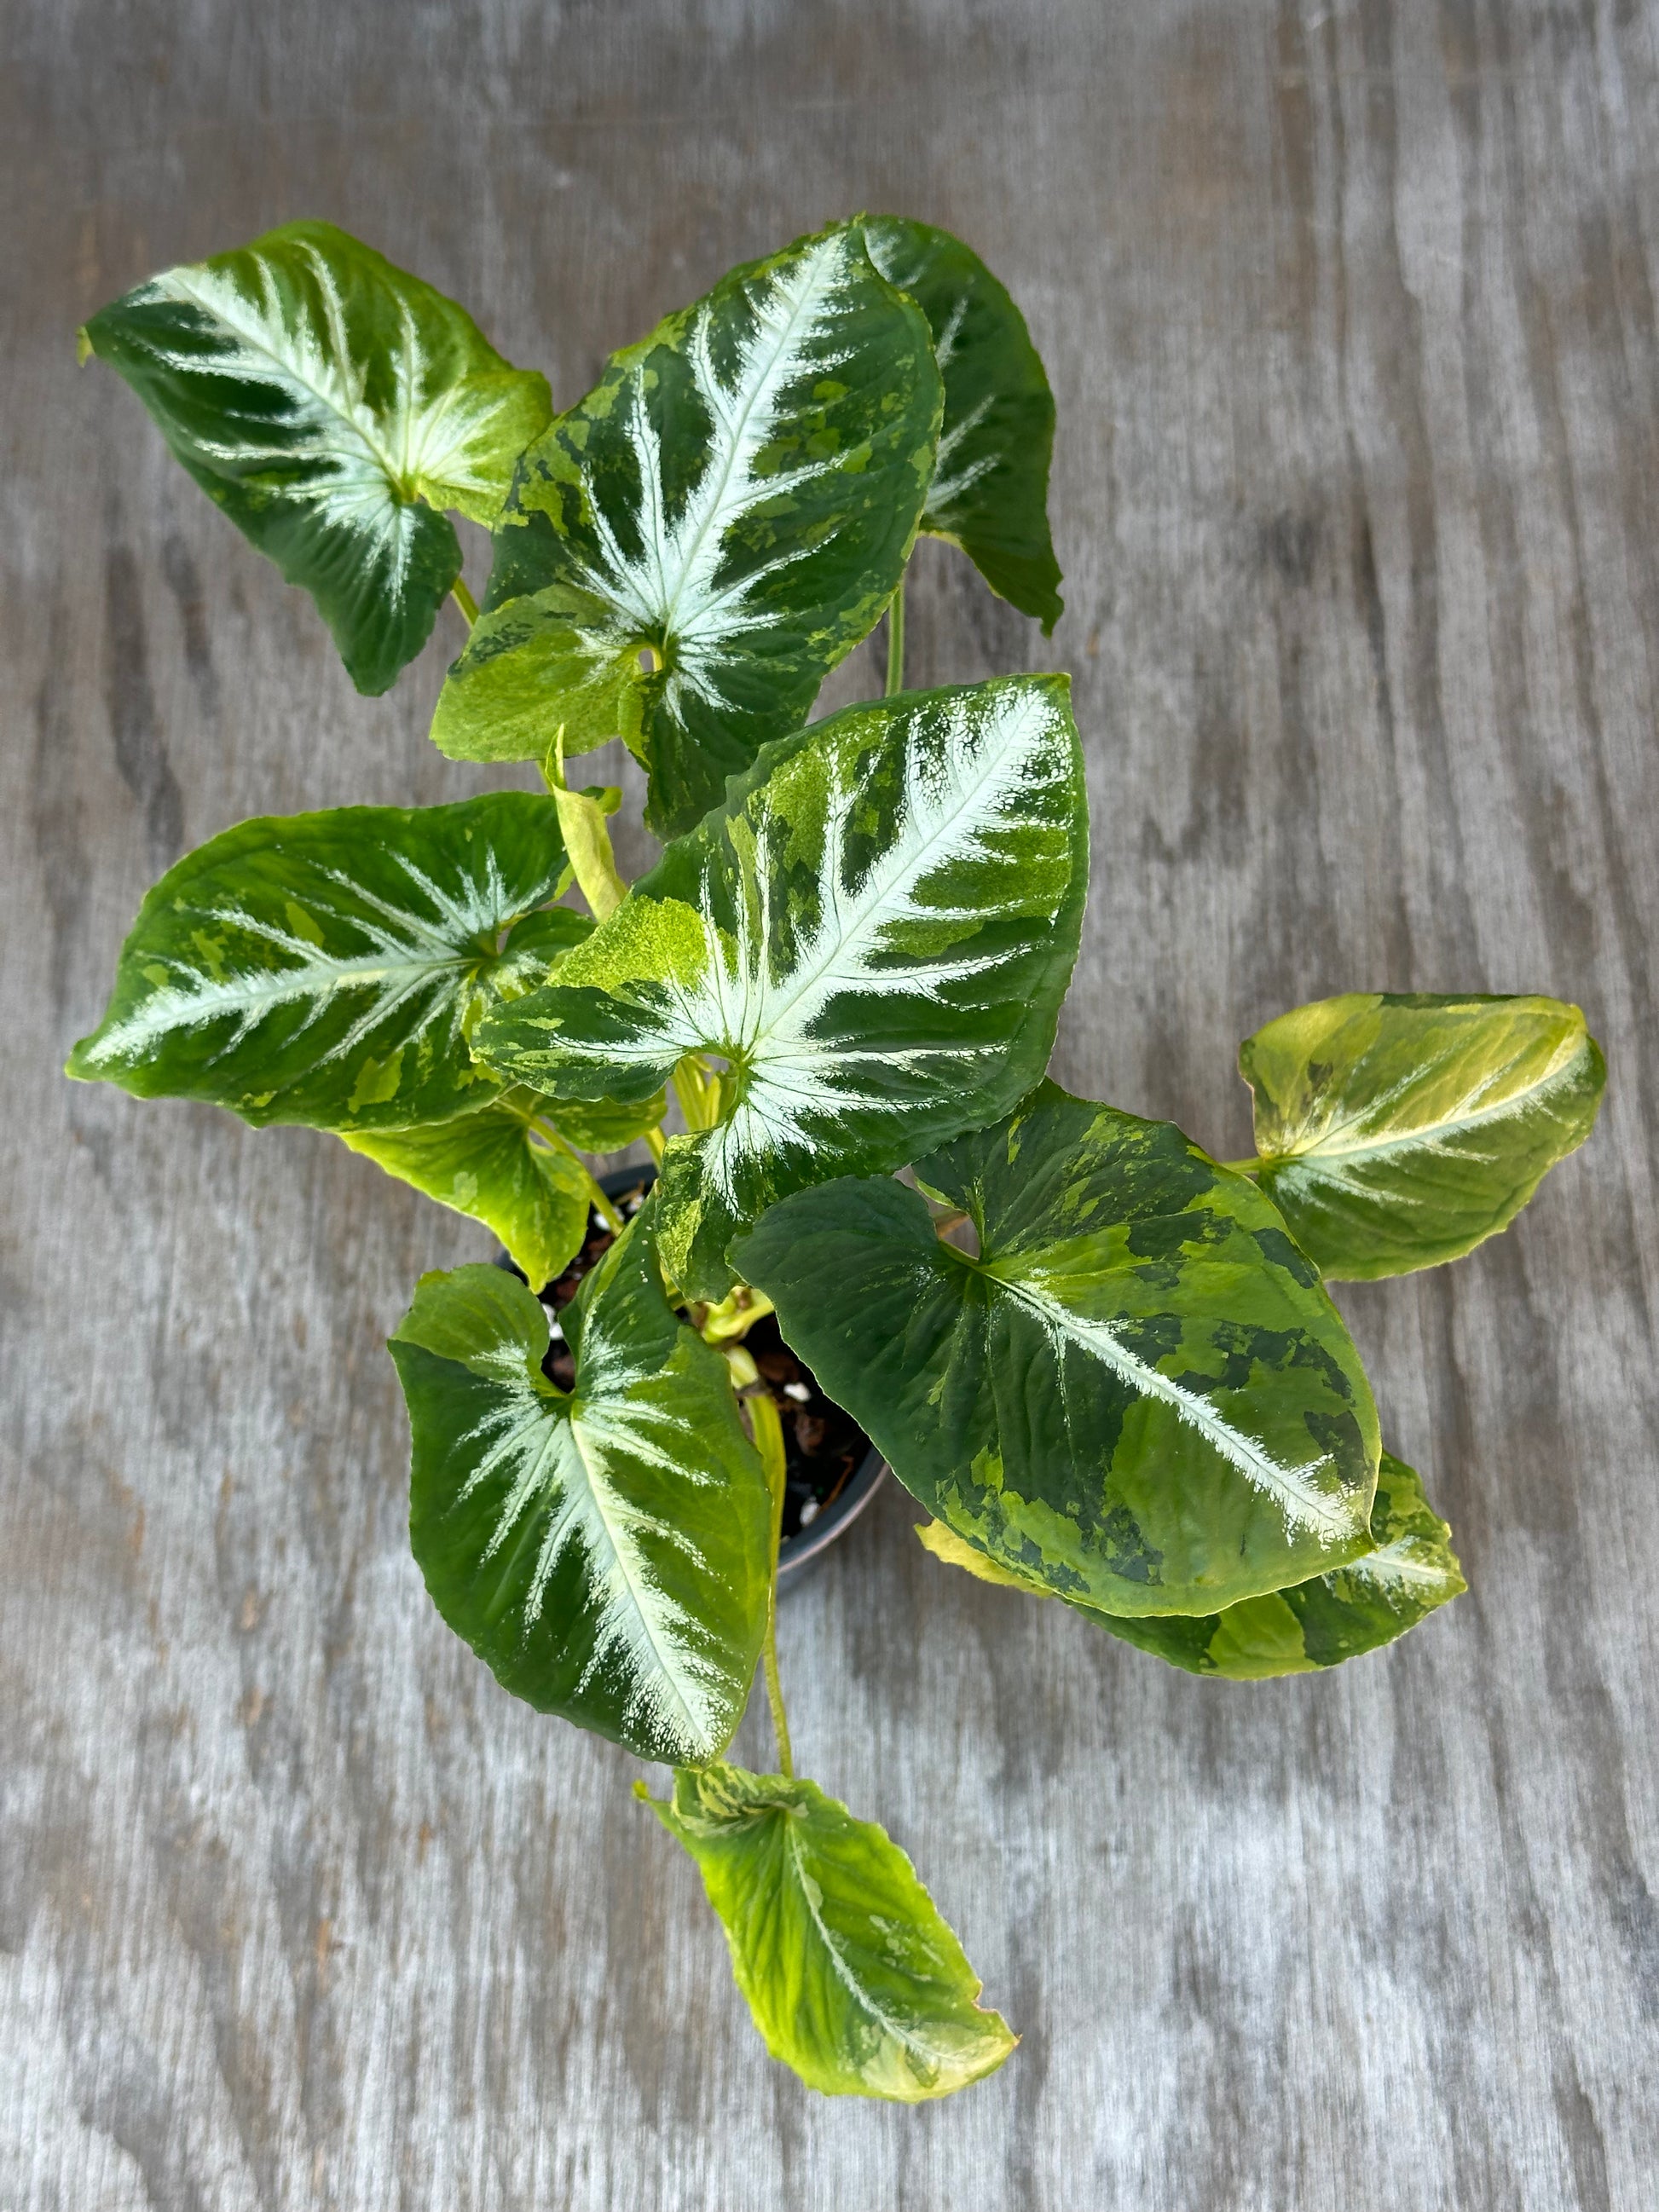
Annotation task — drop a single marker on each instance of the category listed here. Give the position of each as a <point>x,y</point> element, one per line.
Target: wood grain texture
<point>1349,307</point>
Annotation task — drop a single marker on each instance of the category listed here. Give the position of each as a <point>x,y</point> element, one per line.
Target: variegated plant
<point>1108,1365</point>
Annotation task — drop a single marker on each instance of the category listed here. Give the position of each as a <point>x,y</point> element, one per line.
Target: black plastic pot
<point>798,1552</point>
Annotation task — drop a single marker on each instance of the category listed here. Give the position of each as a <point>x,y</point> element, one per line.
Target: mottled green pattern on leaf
<point>734,503</point>
<point>990,489</point>
<point>1137,1395</point>
<point>491,1165</point>
<point>1410,1571</point>
<point>333,406</point>
<point>875,931</point>
<point>606,1553</point>
<point>327,969</point>
<point>1399,1131</point>
<point>853,1979</point>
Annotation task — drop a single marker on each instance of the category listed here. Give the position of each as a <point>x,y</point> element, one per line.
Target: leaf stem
<point>465,600</point>
<point>1250,1166</point>
<point>895,642</point>
<point>768,1442</point>
<point>601,1205</point>
<point>654,1144</point>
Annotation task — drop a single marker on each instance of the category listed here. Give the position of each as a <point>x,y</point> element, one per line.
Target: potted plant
<point>1105,1363</point>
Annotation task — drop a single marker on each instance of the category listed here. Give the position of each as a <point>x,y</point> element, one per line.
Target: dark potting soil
<point>824,1447</point>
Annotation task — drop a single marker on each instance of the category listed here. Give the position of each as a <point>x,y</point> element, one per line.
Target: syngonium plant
<point>1105,1363</point>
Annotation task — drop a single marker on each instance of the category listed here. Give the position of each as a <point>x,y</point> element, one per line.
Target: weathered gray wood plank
<point>1350,310</point>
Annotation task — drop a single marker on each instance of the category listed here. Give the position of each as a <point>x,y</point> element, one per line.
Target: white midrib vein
<point>843,1973</point>
<point>556,1451</point>
<point>1291,1488</point>
<point>1331,1144</point>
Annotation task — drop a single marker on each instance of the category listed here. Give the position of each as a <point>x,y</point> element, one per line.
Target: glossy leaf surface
<point>1375,1598</point>
<point>733,503</point>
<point>325,968</point>
<point>1399,1131</point>
<point>875,933</point>
<point>491,1165</point>
<point>606,1553</point>
<point>333,407</point>
<point>853,1978</point>
<point>990,493</point>
<point>1137,1395</point>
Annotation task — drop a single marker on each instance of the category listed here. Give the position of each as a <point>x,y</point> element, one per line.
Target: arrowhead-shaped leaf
<point>989,493</point>
<point>1137,1394</point>
<point>1399,1131</point>
<point>333,406</point>
<point>325,968</point>
<point>1410,1571</point>
<point>852,1977</point>
<point>492,1166</point>
<point>875,931</point>
<point>606,1553</point>
<point>733,505</point>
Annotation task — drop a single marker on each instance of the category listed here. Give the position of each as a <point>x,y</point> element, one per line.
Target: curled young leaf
<point>874,933</point>
<point>1399,1131</point>
<point>327,969</point>
<point>1137,1393</point>
<point>1410,1570</point>
<point>606,1553</point>
<point>853,1979</point>
<point>990,493</point>
<point>333,407</point>
<point>492,1166</point>
<point>690,549</point>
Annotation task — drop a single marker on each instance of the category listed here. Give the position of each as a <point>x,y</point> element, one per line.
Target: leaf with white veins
<point>1410,1571</point>
<point>853,1976</point>
<point>990,493</point>
<point>327,969</point>
<point>332,405</point>
<point>875,931</point>
<point>1137,1393</point>
<point>690,549</point>
<point>606,1553</point>
<point>1398,1132</point>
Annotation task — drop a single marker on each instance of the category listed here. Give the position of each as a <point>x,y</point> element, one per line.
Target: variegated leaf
<point>1136,1394</point>
<point>333,406</point>
<point>493,1166</point>
<point>607,1553</point>
<point>1409,1571</point>
<point>327,969</point>
<point>689,550</point>
<point>875,933</point>
<point>1399,1131</point>
<point>853,1978</point>
<point>990,493</point>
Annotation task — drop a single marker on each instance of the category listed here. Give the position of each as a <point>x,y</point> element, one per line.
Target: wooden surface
<point>1350,312</point>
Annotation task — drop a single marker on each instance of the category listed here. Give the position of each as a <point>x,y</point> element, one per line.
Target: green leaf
<point>875,933</point>
<point>1399,1131</point>
<point>325,968</point>
<point>689,550</point>
<point>990,489</point>
<point>604,1125</point>
<point>606,1553</point>
<point>1137,1394</point>
<point>1377,1597</point>
<point>333,406</point>
<point>489,1165</point>
<point>852,1977</point>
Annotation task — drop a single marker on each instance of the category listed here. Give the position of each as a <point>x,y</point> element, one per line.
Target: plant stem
<point>1250,1166</point>
<point>601,1204</point>
<point>768,1442</point>
<point>698,1094</point>
<point>654,1144</point>
<point>465,600</point>
<point>895,642</point>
